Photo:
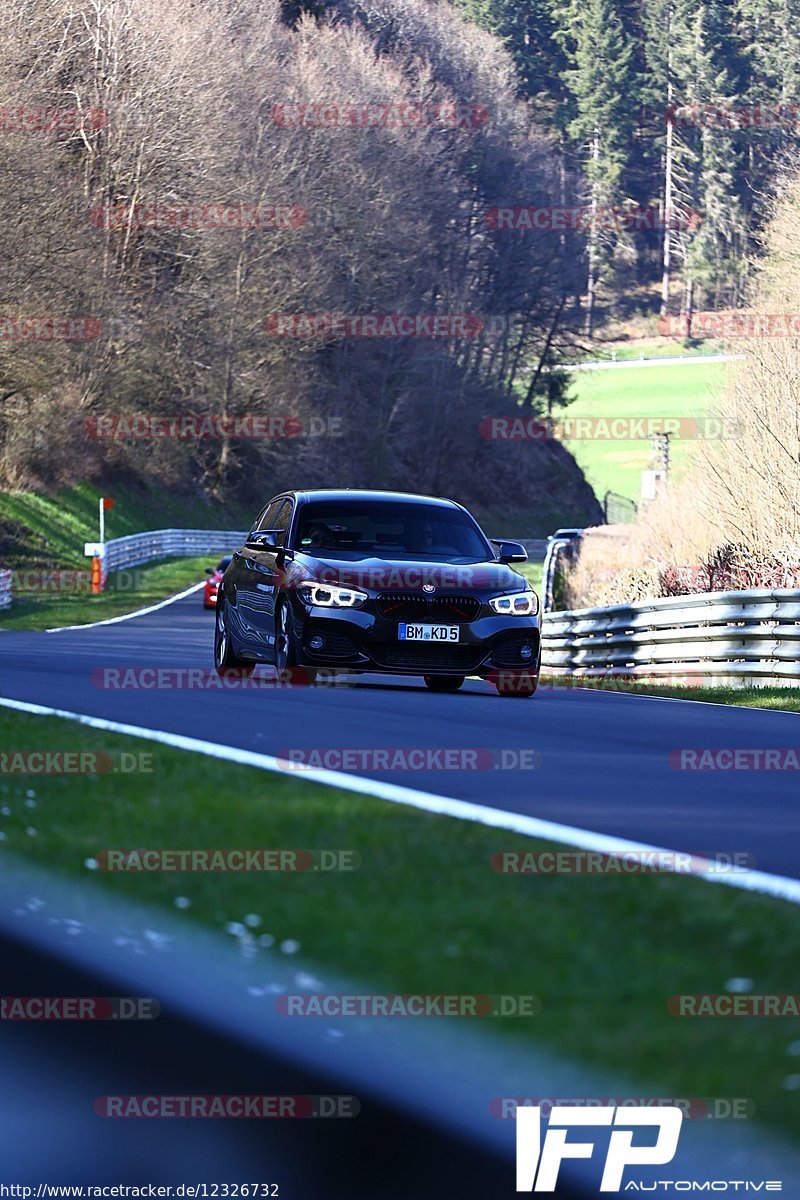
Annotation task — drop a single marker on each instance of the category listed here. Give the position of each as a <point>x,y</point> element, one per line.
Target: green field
<point>426,913</point>
<point>672,390</point>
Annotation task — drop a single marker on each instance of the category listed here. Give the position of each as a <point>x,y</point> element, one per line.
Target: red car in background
<point>212,583</point>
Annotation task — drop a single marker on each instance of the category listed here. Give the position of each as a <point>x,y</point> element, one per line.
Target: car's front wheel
<point>226,662</point>
<point>443,683</point>
<point>286,656</point>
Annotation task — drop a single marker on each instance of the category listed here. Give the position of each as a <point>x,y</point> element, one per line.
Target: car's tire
<point>443,683</point>
<point>523,685</point>
<point>226,662</point>
<point>286,656</point>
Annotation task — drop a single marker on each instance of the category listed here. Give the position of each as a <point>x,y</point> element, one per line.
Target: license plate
<point>428,633</point>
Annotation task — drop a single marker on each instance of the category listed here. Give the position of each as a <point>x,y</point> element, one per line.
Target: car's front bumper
<point>363,640</point>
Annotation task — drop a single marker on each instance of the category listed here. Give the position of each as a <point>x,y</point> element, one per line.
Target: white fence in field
<point>736,637</point>
<point>5,589</point>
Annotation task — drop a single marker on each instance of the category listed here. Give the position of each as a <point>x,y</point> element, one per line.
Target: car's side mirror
<point>510,552</point>
<point>265,539</point>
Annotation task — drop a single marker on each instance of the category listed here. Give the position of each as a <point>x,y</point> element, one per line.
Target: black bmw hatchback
<point>357,581</point>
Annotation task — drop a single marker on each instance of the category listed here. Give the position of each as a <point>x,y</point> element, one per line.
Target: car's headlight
<point>324,595</point>
<point>520,604</point>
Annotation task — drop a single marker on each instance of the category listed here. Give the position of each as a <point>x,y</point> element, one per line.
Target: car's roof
<point>358,494</point>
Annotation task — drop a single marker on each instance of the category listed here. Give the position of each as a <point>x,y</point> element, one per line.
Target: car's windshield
<point>389,529</point>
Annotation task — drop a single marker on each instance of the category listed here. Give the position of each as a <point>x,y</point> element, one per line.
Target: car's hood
<point>403,574</point>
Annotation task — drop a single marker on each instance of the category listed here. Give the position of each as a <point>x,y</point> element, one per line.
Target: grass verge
<point>784,698</point>
<point>126,592</point>
<point>426,913</point>
<point>533,573</point>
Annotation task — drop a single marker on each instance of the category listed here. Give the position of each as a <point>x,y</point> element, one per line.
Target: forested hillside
<point>188,106</point>
<point>216,188</point>
<point>687,104</point>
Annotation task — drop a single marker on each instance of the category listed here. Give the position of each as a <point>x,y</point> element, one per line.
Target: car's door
<point>253,583</point>
<point>270,568</point>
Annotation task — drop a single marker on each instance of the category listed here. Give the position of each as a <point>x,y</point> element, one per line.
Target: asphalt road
<point>604,758</point>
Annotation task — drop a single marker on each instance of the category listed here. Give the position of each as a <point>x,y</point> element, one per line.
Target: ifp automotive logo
<point>538,1161</point>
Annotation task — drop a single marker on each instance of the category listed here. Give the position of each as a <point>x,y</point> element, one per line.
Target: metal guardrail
<point>220,1032</point>
<point>5,589</point>
<point>730,636</point>
<point>138,548</point>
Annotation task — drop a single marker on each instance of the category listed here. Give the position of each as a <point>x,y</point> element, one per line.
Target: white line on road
<point>462,810</point>
<point>140,612</point>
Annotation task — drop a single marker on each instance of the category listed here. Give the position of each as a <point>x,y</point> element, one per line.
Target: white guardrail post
<point>138,548</point>
<point>724,637</point>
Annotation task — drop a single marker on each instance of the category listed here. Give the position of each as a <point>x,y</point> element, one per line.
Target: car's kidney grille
<point>446,609</point>
<point>423,656</point>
